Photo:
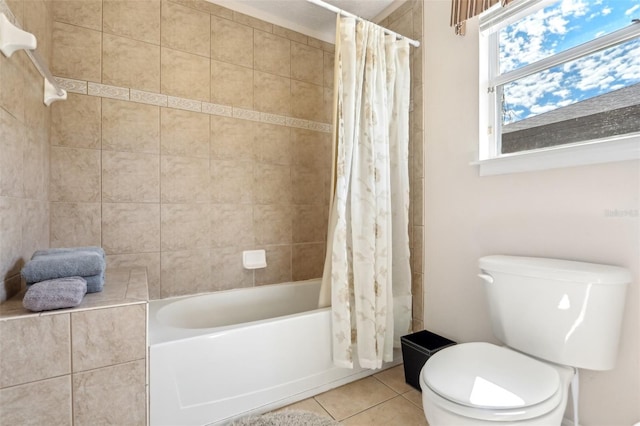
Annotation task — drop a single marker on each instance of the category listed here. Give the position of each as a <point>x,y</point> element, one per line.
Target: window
<point>560,74</point>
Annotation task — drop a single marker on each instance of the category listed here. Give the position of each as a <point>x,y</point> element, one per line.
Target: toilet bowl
<point>481,384</point>
<point>554,316</point>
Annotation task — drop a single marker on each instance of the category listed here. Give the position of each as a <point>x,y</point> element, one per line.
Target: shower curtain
<point>367,277</point>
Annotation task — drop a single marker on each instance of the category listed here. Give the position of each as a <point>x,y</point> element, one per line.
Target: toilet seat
<point>485,381</point>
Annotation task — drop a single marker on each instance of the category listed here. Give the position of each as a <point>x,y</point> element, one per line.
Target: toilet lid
<point>488,376</point>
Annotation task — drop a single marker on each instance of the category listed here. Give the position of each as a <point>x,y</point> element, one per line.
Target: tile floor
<point>383,399</point>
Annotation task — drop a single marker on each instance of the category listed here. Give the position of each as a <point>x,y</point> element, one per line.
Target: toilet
<point>553,316</point>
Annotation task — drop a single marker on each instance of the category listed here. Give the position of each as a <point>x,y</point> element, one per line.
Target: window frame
<point>490,158</point>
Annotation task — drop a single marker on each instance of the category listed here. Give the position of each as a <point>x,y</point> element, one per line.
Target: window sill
<point>621,149</point>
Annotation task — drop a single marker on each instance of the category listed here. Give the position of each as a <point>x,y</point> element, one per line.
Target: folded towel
<point>55,294</point>
<point>95,283</point>
<point>63,264</point>
<point>45,252</point>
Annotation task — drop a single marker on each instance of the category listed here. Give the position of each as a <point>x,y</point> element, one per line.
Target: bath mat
<point>286,418</point>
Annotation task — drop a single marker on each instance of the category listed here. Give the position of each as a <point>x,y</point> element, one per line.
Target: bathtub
<point>219,356</point>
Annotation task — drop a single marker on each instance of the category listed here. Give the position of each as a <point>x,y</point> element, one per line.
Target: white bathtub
<point>220,356</point>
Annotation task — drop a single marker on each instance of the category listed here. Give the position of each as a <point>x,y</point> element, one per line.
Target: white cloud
<point>540,109</point>
<point>530,90</point>
<point>584,78</point>
<point>602,70</point>
<point>557,25</point>
<point>518,50</point>
<point>574,7</point>
<point>537,36</point>
<point>632,9</point>
<point>566,102</point>
<point>528,40</point>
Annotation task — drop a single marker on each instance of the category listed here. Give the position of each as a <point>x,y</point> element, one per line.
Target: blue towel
<point>62,265</point>
<point>95,283</point>
<point>45,252</point>
<point>55,294</point>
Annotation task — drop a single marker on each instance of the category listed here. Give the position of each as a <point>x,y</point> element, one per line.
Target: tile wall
<point>82,368</point>
<point>178,171</point>
<point>407,20</point>
<point>191,133</point>
<point>24,149</point>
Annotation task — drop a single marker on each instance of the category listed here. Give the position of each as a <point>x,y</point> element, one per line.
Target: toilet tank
<point>563,311</point>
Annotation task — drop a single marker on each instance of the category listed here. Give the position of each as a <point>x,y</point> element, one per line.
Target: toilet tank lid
<point>556,269</point>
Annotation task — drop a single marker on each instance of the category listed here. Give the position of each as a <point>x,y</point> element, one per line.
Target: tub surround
<point>123,286</point>
<point>247,135</point>
<point>24,150</point>
<point>83,365</point>
<point>231,153</point>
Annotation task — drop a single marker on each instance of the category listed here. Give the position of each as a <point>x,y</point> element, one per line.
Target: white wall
<point>557,213</point>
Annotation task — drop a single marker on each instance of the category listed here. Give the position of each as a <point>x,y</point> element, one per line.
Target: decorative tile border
<point>73,86</point>
<point>297,122</point>
<point>280,120</point>
<point>106,91</point>
<point>186,104</point>
<point>215,109</point>
<point>158,99</point>
<point>246,114</point>
<point>148,98</point>
<point>320,127</point>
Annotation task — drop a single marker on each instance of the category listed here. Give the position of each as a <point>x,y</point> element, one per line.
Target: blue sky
<point>558,27</point>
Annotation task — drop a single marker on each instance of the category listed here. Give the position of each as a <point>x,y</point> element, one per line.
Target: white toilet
<point>554,316</point>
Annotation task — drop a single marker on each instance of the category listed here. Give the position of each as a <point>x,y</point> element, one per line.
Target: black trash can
<point>416,350</point>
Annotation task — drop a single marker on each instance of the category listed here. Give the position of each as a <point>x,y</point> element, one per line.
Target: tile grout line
<point>372,407</point>
<point>379,380</point>
<point>324,408</point>
<point>71,373</point>
<point>31,382</point>
<point>396,394</point>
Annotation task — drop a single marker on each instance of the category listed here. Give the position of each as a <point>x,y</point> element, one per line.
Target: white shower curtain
<point>367,277</point>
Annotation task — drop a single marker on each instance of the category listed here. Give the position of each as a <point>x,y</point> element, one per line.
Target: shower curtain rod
<point>342,12</point>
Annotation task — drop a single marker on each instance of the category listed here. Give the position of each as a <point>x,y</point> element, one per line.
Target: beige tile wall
<point>24,150</point>
<point>123,172</point>
<point>81,368</point>
<point>407,20</point>
<point>182,191</point>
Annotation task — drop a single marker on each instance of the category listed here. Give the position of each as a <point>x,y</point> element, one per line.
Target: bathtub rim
<point>160,334</point>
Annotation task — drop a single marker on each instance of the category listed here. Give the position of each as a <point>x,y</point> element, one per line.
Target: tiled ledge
<point>121,287</point>
<point>158,99</point>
